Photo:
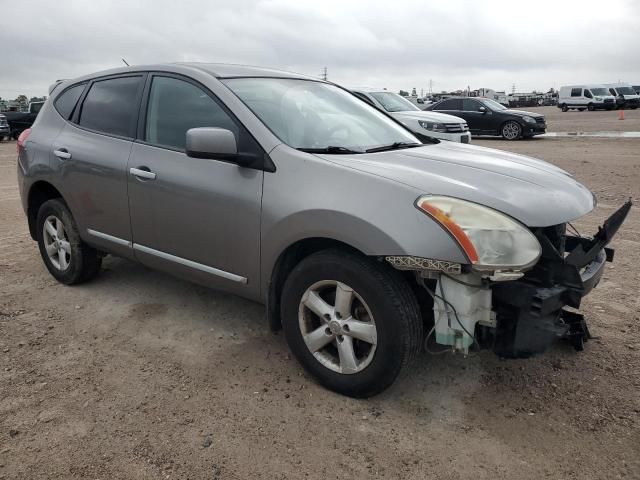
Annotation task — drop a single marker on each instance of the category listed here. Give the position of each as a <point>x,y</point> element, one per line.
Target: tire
<point>590,107</point>
<point>72,261</point>
<point>565,108</point>
<point>381,300</point>
<point>511,130</point>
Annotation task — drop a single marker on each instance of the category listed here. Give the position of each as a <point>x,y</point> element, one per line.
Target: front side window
<point>576,92</point>
<point>66,102</point>
<point>176,106</point>
<point>470,105</point>
<point>111,106</point>
<point>587,93</point>
<point>392,102</point>
<point>613,92</point>
<point>310,115</point>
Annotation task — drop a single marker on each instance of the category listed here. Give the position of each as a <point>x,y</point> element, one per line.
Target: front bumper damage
<point>530,313</point>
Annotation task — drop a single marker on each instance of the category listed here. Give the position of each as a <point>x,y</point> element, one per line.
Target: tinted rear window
<point>67,101</point>
<point>576,92</point>
<point>111,106</point>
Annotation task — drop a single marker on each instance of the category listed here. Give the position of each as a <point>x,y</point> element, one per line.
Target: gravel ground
<point>140,375</point>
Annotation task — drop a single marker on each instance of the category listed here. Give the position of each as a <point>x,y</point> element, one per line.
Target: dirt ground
<point>139,375</point>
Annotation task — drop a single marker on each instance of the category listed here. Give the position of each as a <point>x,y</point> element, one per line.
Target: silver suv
<point>365,244</point>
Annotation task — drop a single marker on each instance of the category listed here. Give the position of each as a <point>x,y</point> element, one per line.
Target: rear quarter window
<point>66,101</point>
<point>576,92</point>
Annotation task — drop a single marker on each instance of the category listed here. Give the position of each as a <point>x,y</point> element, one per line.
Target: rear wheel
<point>590,107</point>
<point>65,255</point>
<point>511,130</point>
<point>565,108</point>
<point>353,323</point>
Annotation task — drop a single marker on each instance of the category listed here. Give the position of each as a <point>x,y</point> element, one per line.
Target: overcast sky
<point>392,44</point>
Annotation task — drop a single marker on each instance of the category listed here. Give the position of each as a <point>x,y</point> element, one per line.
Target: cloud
<point>396,45</point>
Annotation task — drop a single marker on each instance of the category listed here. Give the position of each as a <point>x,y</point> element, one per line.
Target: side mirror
<point>420,100</point>
<point>482,109</point>
<point>211,143</point>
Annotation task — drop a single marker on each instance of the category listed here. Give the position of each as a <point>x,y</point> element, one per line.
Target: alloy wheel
<point>56,243</point>
<point>337,327</point>
<point>511,130</point>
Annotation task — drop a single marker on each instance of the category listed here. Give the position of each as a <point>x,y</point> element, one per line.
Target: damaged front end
<point>530,312</point>
<point>519,313</point>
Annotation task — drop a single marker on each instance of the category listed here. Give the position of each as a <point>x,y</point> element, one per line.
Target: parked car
<point>5,131</point>
<point>290,191</point>
<point>20,121</point>
<point>488,117</point>
<point>421,123</point>
<point>626,96</point>
<point>585,97</point>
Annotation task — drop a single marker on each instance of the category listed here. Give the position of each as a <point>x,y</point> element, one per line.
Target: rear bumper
<point>531,311</point>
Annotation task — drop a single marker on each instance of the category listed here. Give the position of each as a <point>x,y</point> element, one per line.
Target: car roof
<point>229,70</point>
<point>217,70</point>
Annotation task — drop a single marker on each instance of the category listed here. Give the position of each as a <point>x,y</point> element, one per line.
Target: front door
<point>197,218</point>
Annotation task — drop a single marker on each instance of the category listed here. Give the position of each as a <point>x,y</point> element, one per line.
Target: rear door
<point>198,218</point>
<point>91,155</point>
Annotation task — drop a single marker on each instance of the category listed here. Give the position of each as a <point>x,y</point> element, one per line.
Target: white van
<point>581,97</point>
<point>626,96</point>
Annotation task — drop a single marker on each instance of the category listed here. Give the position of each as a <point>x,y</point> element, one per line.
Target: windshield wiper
<point>330,149</point>
<point>394,146</point>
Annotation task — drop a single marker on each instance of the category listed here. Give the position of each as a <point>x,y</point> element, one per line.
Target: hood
<point>428,116</point>
<point>534,192</point>
<point>521,113</point>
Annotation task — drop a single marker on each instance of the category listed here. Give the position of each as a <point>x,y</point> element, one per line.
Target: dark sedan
<point>488,117</point>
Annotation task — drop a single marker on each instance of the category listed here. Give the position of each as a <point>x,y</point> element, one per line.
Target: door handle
<point>143,172</point>
<point>62,154</point>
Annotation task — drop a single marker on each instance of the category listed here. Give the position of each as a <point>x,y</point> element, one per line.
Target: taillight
<point>22,139</point>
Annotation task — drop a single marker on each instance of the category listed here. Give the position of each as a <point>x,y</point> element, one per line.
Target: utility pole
<point>513,88</point>
<point>323,75</point>
<point>430,87</point>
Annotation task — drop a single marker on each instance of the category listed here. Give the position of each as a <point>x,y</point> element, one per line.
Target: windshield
<point>600,91</point>
<point>625,90</point>
<point>392,102</point>
<point>313,115</point>
<point>493,105</point>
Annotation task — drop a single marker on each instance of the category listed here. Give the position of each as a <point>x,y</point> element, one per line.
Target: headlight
<point>490,239</point>
<point>528,119</point>
<point>432,126</point>
<point>597,99</point>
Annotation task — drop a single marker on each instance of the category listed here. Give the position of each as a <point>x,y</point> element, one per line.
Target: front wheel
<point>352,322</point>
<point>590,107</point>
<point>65,255</point>
<point>565,108</point>
<point>511,130</point>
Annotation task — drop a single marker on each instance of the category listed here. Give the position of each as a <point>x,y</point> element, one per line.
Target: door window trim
<point>75,116</point>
